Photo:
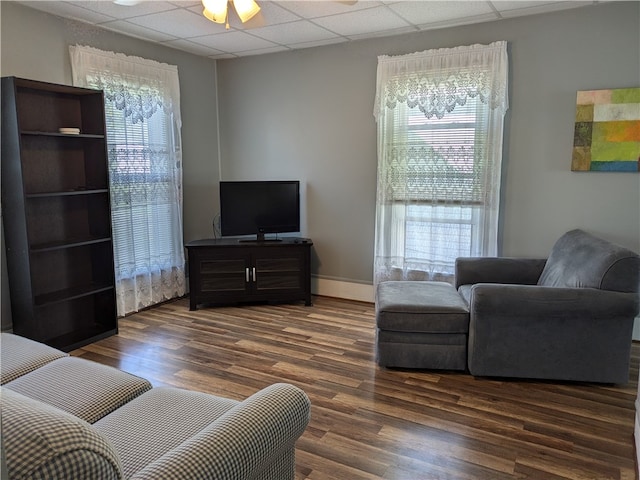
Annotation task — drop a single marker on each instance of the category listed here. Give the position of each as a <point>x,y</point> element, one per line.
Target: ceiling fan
<point>217,10</point>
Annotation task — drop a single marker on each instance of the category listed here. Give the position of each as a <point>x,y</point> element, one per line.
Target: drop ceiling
<point>286,25</point>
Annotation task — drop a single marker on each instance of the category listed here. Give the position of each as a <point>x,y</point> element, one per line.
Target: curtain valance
<point>435,81</point>
<point>135,85</point>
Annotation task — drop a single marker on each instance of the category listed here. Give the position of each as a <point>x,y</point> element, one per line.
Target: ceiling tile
<point>516,8</point>
<point>68,10</point>
<point>186,3</point>
<point>319,43</point>
<point>420,13</point>
<point>363,21</point>
<point>192,47</point>
<point>233,42</point>
<point>385,33</point>
<point>454,22</point>
<point>179,23</point>
<point>127,28</point>
<point>323,8</point>
<point>295,32</point>
<point>121,11</point>
<point>272,14</point>
<point>262,51</point>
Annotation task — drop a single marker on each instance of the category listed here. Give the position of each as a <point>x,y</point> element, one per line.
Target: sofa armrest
<point>243,443</point>
<point>524,271</point>
<point>41,441</point>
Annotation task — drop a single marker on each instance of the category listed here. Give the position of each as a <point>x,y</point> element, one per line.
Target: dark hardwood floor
<point>369,422</point>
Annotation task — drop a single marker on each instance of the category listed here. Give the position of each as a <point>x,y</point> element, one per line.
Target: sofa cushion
<point>43,442</point>
<point>253,440</point>
<point>580,260</point>
<point>19,355</point>
<point>151,425</point>
<point>83,388</point>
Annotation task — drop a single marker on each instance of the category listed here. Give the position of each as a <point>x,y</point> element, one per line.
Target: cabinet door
<point>220,274</point>
<point>278,270</point>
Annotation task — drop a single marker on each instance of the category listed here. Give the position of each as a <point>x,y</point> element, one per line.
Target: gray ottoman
<point>421,325</point>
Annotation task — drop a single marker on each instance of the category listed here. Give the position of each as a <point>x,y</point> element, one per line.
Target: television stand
<point>226,270</point>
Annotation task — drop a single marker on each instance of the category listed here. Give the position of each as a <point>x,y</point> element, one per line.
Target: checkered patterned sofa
<point>68,418</point>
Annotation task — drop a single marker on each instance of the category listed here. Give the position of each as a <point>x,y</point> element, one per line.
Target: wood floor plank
<point>373,423</point>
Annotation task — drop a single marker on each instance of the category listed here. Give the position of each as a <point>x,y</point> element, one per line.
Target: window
<point>143,140</point>
<point>142,191</point>
<point>439,156</point>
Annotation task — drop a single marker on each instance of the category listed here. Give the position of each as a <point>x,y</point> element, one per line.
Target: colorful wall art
<point>607,131</point>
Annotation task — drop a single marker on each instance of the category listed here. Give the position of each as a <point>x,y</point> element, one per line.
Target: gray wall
<point>35,45</point>
<point>308,115</point>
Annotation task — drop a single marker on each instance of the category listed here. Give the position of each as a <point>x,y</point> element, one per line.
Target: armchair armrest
<point>242,443</point>
<point>537,303</point>
<point>524,271</point>
<point>530,331</point>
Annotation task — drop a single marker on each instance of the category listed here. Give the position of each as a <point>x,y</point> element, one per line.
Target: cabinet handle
<point>246,275</point>
<point>254,275</point>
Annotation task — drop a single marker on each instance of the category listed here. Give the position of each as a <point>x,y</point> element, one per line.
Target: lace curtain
<point>142,110</point>
<point>440,120</point>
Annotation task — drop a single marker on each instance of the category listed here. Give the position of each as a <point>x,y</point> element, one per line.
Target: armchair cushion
<point>579,259</point>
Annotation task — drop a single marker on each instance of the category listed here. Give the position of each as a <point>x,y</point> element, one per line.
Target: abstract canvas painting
<point>607,131</point>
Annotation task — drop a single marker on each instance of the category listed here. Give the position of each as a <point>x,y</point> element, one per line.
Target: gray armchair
<point>568,317</point>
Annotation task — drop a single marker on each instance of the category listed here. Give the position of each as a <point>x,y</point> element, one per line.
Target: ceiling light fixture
<point>217,10</point>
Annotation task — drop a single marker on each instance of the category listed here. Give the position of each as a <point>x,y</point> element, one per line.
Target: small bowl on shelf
<point>69,130</point>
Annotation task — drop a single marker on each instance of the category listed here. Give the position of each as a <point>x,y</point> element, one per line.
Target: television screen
<point>259,207</point>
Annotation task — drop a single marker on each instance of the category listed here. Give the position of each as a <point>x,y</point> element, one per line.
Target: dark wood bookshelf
<point>56,213</point>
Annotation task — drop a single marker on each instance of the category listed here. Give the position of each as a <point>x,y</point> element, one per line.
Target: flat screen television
<point>259,207</point>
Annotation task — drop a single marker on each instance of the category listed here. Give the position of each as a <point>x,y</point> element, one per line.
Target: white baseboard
<point>636,435</point>
<point>636,328</point>
<point>340,289</point>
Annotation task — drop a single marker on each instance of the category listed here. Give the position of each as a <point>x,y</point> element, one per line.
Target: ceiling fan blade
<point>254,22</point>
